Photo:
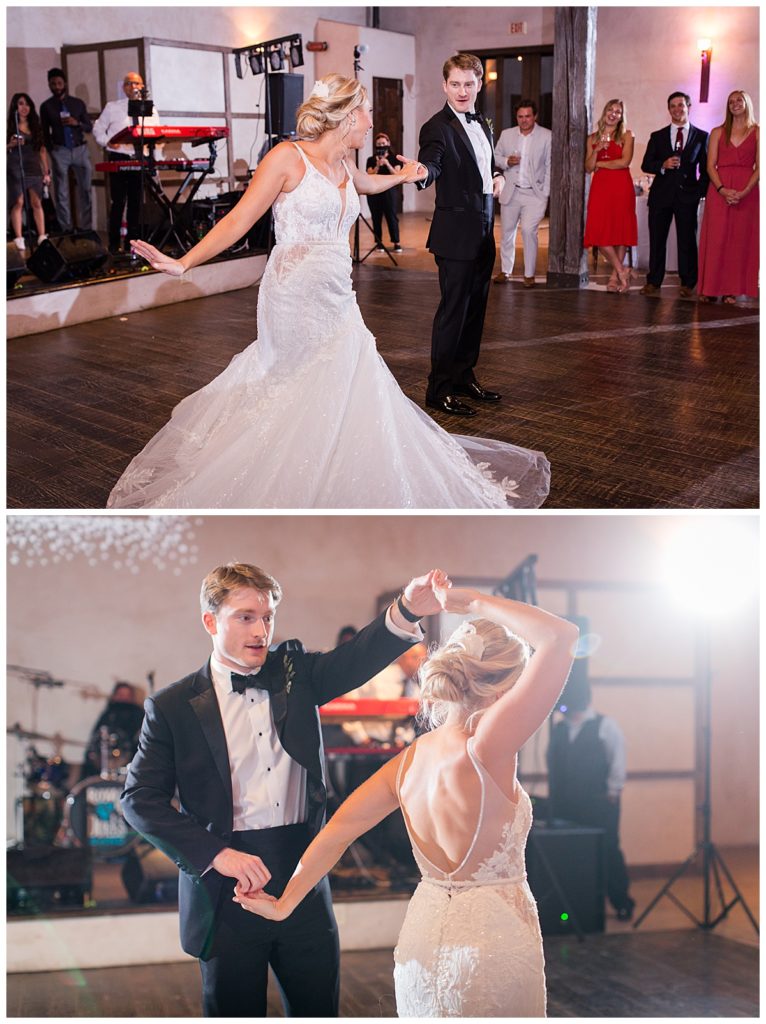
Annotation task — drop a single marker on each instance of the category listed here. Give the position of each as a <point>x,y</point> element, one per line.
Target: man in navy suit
<point>239,742</point>
<point>677,157</point>
<point>456,148</point>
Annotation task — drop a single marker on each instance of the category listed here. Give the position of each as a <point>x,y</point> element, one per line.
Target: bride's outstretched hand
<point>411,169</point>
<point>457,600</point>
<point>157,260</point>
<point>261,904</point>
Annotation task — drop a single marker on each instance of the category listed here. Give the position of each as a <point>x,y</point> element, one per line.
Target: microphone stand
<point>356,258</point>
<point>26,235</point>
<point>145,162</point>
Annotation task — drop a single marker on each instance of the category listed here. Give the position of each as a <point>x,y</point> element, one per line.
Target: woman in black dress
<point>28,165</point>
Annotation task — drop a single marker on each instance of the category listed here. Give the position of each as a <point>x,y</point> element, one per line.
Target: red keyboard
<point>160,165</point>
<point>158,132</point>
<point>383,710</point>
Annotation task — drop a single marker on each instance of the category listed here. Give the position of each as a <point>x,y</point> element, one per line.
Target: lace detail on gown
<point>471,945</point>
<point>308,415</point>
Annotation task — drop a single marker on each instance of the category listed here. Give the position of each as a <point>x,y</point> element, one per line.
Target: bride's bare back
<point>451,802</point>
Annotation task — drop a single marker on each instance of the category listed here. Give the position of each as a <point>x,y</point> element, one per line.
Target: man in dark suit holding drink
<point>677,157</point>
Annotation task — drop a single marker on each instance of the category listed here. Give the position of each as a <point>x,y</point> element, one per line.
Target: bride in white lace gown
<point>470,945</point>
<point>309,416</point>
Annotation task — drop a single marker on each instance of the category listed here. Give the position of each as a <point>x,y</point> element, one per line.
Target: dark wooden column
<point>574,60</point>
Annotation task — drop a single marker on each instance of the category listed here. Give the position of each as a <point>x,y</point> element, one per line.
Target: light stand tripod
<point>376,242</point>
<point>711,856</point>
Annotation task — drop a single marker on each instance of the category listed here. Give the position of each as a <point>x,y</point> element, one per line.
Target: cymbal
<point>26,734</point>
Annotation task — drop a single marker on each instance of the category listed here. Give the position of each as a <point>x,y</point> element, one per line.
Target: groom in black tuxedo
<point>239,742</point>
<point>677,157</point>
<point>457,149</point>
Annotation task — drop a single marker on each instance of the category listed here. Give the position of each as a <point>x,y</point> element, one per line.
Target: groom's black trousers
<point>303,951</point>
<point>459,319</point>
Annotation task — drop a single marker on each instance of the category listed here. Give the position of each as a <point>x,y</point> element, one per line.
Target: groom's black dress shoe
<point>475,390</point>
<point>452,405</point>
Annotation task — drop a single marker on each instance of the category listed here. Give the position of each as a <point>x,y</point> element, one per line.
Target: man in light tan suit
<point>524,153</point>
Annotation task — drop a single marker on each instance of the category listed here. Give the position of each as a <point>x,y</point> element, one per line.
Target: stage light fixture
<point>709,566</point>
<point>296,53</point>
<point>276,58</point>
<point>255,59</point>
<point>238,65</point>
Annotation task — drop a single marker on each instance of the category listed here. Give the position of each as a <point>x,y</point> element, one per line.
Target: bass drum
<point>93,817</point>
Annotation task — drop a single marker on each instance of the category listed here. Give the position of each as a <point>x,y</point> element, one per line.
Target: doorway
<point>388,117</point>
<point>513,75</point>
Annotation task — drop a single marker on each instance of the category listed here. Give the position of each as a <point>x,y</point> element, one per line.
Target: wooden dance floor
<point>660,974</point>
<point>637,402</point>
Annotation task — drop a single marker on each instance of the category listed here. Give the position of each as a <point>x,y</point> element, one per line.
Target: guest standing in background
<point>729,237</point>
<point>65,124</point>
<point>610,222</point>
<point>384,161</point>
<point>586,777</point>
<point>524,153</point>
<point>28,167</point>
<point>677,157</point>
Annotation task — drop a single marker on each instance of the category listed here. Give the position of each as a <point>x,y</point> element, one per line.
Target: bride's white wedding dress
<point>470,945</point>
<point>309,416</point>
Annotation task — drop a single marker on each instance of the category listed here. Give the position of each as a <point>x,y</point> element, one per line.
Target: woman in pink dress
<point>610,222</point>
<point>728,255</point>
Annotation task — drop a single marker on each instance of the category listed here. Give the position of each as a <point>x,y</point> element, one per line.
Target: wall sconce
<point>492,76</point>
<point>705,47</point>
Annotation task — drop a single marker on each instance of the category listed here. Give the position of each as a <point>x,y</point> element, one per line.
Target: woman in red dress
<point>611,219</point>
<point>729,235</point>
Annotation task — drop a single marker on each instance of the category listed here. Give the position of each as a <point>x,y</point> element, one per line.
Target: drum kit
<point>48,809</point>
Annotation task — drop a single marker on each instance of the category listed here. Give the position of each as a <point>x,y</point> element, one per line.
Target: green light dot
<point>565,917</point>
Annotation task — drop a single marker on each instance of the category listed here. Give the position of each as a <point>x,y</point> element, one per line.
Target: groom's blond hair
<point>221,581</point>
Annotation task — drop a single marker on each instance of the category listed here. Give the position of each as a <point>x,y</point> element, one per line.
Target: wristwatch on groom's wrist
<point>405,611</point>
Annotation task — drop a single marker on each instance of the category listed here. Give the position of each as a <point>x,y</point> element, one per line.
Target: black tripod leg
<point>664,890</point>
<point>717,857</point>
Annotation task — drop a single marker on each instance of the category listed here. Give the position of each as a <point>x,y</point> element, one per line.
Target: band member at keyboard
<point>124,186</point>
<point>392,683</point>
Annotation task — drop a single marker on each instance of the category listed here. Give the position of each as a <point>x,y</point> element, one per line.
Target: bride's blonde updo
<point>479,662</point>
<point>332,98</point>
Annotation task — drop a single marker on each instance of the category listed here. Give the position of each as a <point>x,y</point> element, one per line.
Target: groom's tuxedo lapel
<point>205,706</point>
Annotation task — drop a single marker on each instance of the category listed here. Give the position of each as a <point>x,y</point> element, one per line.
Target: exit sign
<point>517,28</point>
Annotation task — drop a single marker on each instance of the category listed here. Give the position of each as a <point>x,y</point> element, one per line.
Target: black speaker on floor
<point>149,876</point>
<point>566,869</point>
<point>45,876</point>
<point>285,96</point>
<point>14,265</point>
<point>68,257</point>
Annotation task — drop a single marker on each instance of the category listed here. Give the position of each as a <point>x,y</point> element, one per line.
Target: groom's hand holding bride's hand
<point>260,903</point>
<point>157,260</point>
<point>411,169</point>
<point>419,596</point>
<point>250,871</point>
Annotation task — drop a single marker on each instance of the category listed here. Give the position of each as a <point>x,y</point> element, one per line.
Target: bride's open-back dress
<point>309,415</point>
<point>470,945</point>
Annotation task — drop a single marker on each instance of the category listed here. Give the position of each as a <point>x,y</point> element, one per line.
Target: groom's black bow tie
<point>261,680</point>
<point>473,117</point>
